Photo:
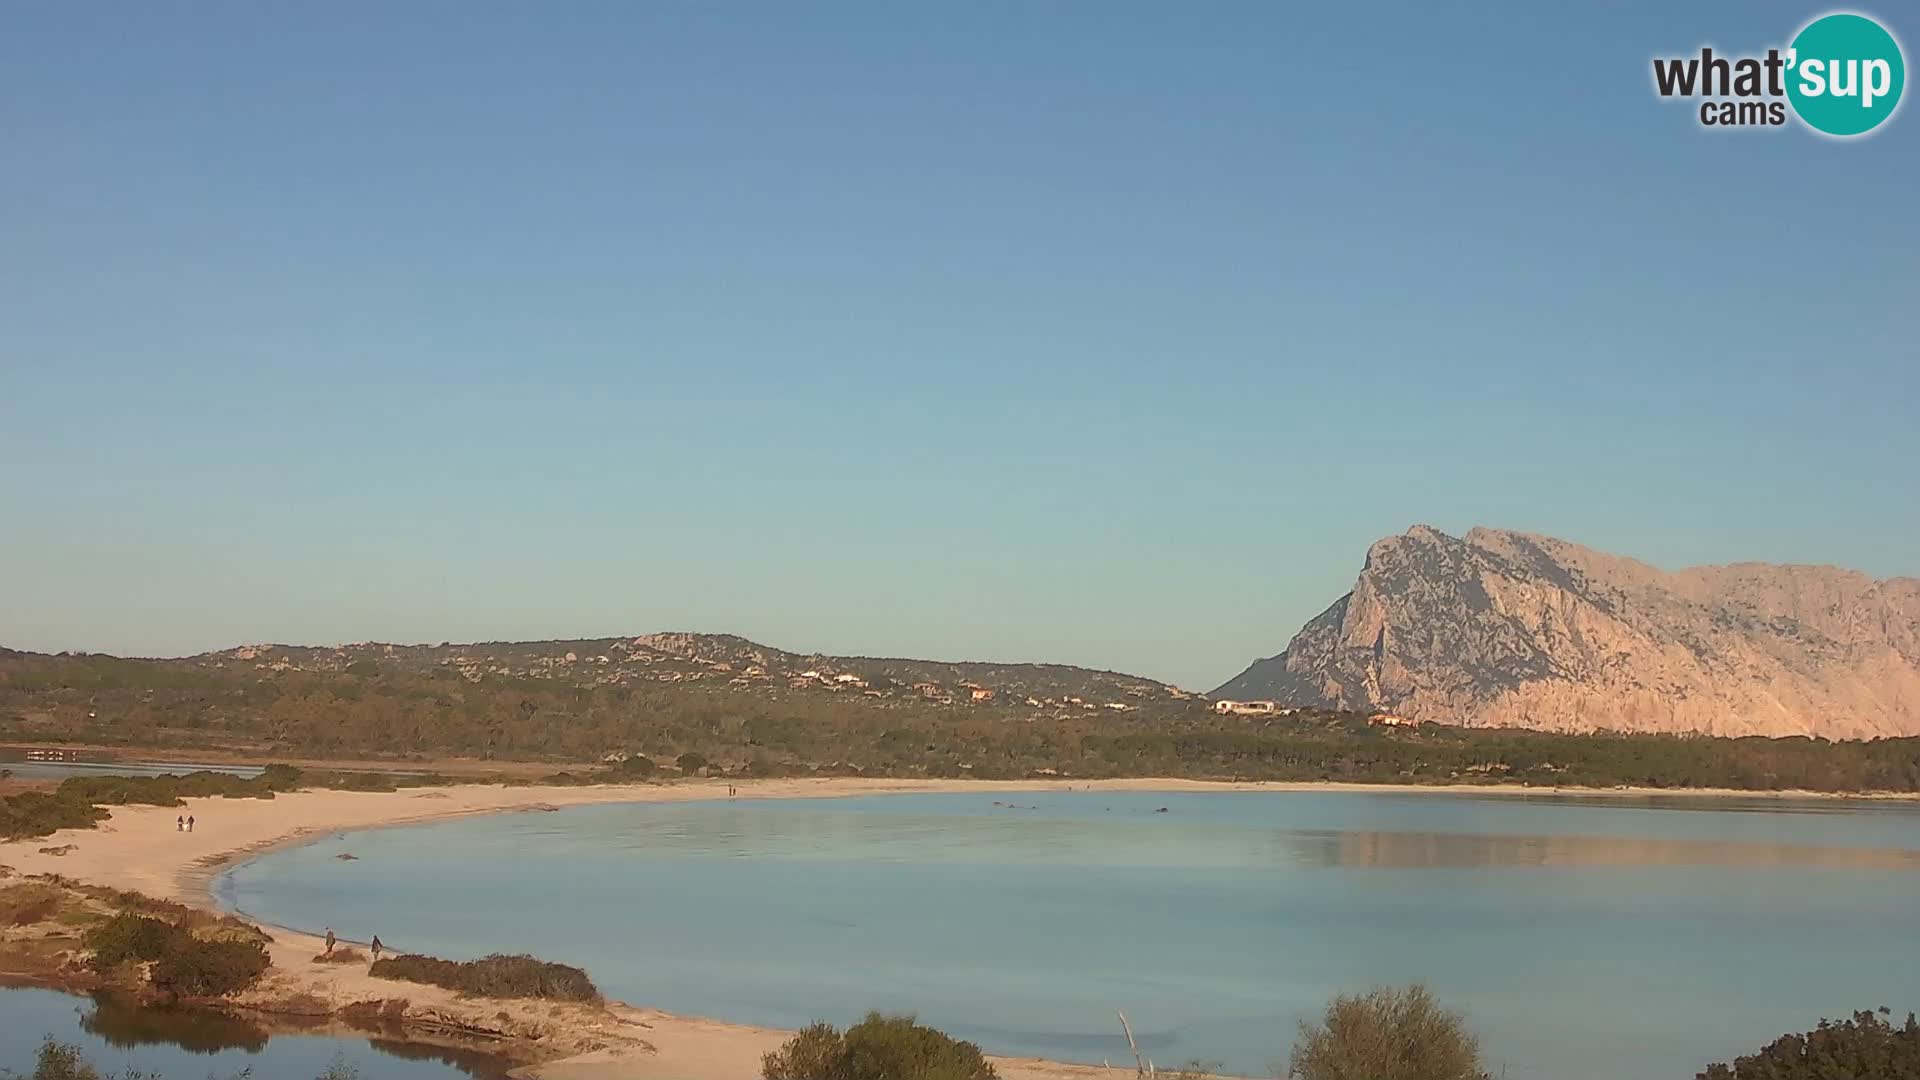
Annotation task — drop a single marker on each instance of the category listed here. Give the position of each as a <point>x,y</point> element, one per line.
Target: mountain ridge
<point>682,657</point>
<point>1514,629</point>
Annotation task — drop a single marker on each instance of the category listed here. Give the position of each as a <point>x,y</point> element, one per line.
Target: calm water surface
<point>189,1044</point>
<point>1586,939</point>
<point>16,761</point>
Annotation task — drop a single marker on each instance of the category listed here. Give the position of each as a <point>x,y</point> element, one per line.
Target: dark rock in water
<point>1162,810</point>
<point>347,856</point>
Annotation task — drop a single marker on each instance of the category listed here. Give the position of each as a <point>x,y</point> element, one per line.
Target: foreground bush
<point>127,936</point>
<point>183,965</point>
<point>1387,1034</point>
<point>37,813</point>
<point>877,1048</point>
<point>1863,1048</point>
<point>194,968</point>
<point>495,976</point>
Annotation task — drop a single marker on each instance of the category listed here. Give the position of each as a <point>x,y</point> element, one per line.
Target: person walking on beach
<point>330,940</point>
<point>189,822</point>
<point>180,824</point>
<point>376,947</point>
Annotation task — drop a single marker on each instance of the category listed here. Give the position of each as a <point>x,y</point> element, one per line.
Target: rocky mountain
<point>1504,628</point>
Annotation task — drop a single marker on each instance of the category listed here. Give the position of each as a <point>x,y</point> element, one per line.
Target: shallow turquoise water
<point>1585,939</point>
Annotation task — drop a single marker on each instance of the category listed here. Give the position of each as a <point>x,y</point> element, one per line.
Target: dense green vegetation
<point>877,1048</point>
<point>1387,1032</point>
<point>495,976</point>
<point>1866,1047</point>
<point>185,964</point>
<point>37,813</point>
<point>128,937</point>
<point>193,967</point>
<point>406,712</point>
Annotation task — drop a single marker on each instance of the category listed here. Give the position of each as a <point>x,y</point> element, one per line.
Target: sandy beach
<point>139,849</point>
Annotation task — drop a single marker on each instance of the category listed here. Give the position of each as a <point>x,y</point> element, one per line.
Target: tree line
<point>418,715</point>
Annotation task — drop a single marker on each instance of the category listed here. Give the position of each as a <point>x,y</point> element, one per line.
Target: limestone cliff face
<point>1509,629</point>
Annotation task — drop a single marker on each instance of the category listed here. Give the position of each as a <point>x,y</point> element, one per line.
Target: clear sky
<point>1106,333</point>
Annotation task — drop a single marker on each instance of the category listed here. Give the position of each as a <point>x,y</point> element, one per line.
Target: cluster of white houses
<point>1227,707</point>
<point>1251,708</point>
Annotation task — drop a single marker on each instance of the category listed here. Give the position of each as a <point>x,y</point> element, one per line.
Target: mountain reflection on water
<point>1427,850</point>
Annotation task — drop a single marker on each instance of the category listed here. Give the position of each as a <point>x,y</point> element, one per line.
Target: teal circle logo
<point>1845,74</point>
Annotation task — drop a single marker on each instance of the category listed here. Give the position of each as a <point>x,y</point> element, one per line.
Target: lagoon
<point>115,1034</point>
<point>19,762</point>
<point>1586,938</point>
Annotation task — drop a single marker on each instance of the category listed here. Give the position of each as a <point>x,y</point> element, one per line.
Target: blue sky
<point>1100,333</point>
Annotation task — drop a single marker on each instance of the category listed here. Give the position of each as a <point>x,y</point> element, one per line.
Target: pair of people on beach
<point>375,945</point>
<point>183,824</point>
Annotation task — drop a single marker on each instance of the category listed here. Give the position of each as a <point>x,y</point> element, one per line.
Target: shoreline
<point>137,848</point>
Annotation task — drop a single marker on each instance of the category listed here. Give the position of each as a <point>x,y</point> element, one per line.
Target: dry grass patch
<point>28,903</point>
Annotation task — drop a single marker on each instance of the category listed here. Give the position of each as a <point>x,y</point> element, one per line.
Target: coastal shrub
<point>128,936</point>
<point>341,955</point>
<point>42,813</point>
<point>1387,1032</point>
<point>1865,1047</point>
<point>636,765</point>
<point>691,762</point>
<point>280,777</point>
<point>496,976</point>
<point>191,967</point>
<point>183,964</point>
<point>877,1048</point>
<point>365,781</point>
<point>166,790</point>
<point>813,1053</point>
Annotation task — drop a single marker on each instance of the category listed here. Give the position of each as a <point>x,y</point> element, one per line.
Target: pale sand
<point>138,848</point>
